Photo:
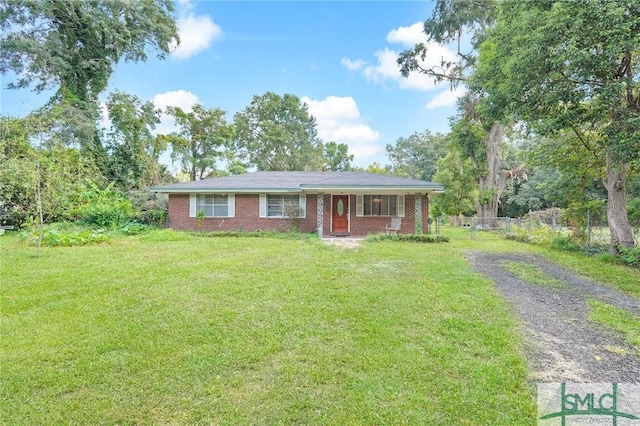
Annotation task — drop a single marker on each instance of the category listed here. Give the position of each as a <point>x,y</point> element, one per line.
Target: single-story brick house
<point>329,203</point>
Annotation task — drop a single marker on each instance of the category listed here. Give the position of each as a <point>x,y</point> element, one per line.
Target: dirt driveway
<point>562,344</point>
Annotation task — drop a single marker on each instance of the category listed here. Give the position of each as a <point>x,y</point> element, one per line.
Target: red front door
<point>340,214</point>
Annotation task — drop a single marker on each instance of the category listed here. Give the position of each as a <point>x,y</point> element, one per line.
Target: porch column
<point>418,217</point>
<point>320,208</point>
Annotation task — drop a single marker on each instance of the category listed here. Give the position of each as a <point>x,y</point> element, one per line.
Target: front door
<point>340,214</point>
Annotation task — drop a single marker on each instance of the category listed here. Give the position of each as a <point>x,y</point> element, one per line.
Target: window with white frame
<point>283,205</point>
<point>213,205</point>
<point>380,205</point>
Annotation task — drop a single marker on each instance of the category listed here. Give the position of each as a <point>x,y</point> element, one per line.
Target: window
<point>213,205</point>
<point>380,205</point>
<point>283,205</point>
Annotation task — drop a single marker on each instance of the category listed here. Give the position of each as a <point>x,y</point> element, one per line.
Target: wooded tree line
<point>551,116</point>
<point>563,77</point>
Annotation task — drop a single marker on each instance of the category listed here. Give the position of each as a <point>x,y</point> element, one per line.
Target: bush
<point>413,238</point>
<point>54,238</point>
<point>258,234</point>
<point>151,208</point>
<point>103,207</point>
<point>630,256</point>
<point>134,228</point>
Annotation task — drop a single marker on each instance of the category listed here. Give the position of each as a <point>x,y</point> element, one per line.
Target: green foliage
<point>469,137</point>
<point>581,215</point>
<point>278,133</point>
<point>410,238</point>
<point>133,150</point>
<point>75,45</point>
<point>292,234</point>
<point>633,210</point>
<point>539,235</point>
<point>486,195</point>
<point>103,207</point>
<point>416,157</point>
<point>54,237</point>
<point>202,140</point>
<point>58,168</point>
<point>461,187</point>
<point>630,256</point>
<point>337,157</point>
<point>151,208</point>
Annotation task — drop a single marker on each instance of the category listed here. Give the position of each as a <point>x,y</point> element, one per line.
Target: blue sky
<point>337,56</point>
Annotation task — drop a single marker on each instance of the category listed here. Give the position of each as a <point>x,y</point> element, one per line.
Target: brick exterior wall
<point>247,217</point>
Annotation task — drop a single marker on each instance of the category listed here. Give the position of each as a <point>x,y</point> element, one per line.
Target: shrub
<point>630,256</point>
<point>151,208</point>
<point>258,234</point>
<point>103,207</point>
<point>413,238</point>
<point>54,238</point>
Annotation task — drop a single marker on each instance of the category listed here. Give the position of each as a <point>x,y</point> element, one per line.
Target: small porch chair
<point>394,226</point>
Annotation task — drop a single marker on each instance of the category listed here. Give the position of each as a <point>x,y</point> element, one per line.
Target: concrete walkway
<point>346,242</point>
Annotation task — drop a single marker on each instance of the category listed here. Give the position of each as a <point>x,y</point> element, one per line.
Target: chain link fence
<point>588,229</point>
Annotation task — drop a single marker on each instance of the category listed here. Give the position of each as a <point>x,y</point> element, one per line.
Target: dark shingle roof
<point>299,181</point>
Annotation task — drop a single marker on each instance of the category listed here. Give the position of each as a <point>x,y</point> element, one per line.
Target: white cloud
<point>196,35</point>
<point>352,65</point>
<point>408,36</point>
<point>446,98</point>
<point>386,69</point>
<point>339,120</point>
<point>197,32</point>
<point>178,98</point>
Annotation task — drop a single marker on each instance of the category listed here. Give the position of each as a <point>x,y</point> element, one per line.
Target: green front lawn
<point>177,329</point>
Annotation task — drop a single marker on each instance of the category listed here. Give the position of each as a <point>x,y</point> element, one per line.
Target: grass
<point>533,274</point>
<point>170,328</point>
<point>619,277</point>
<point>173,328</point>
<point>618,319</point>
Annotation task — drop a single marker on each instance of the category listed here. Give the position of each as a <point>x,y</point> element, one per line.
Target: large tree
<point>337,157</point>
<point>202,141</point>
<point>278,133</point>
<point>72,46</point>
<point>573,67</point>
<point>417,155</point>
<point>134,151</point>
<point>451,21</point>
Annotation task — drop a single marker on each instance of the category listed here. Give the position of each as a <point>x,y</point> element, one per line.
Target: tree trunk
<point>621,231</point>
<point>491,184</point>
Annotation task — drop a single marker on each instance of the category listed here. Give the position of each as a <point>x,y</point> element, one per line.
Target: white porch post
<point>320,208</point>
<point>418,207</point>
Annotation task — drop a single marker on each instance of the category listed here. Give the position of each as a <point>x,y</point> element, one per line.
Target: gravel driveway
<point>562,344</point>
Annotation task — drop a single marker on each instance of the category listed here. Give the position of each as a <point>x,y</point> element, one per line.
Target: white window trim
<point>302,203</point>
<point>231,205</point>
<point>360,206</point>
